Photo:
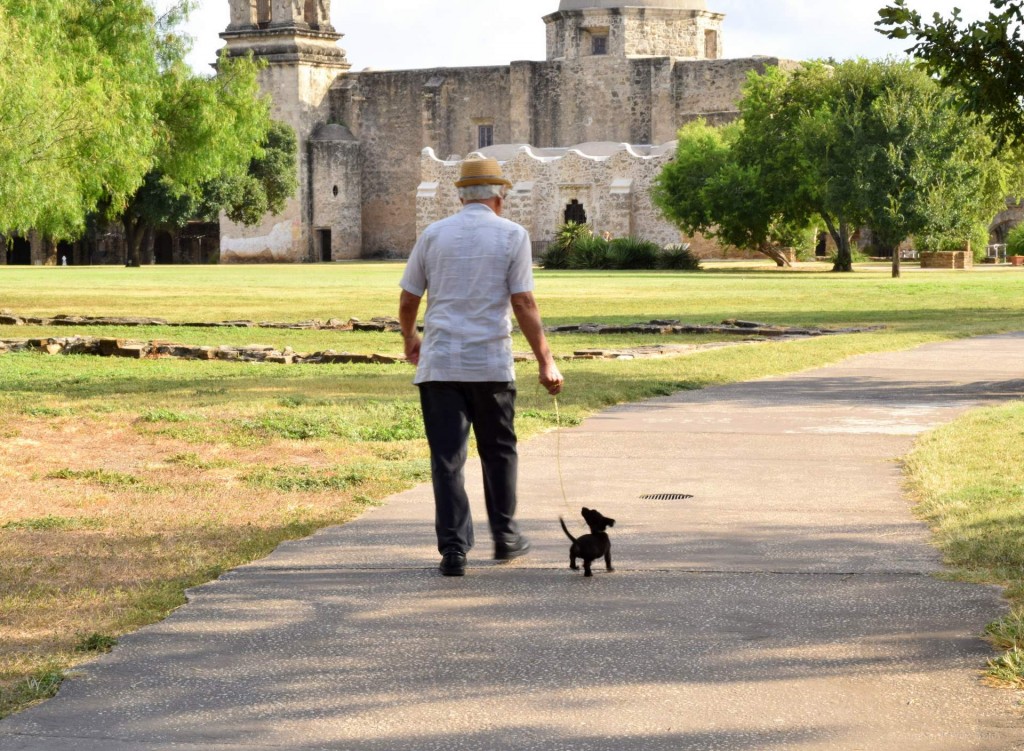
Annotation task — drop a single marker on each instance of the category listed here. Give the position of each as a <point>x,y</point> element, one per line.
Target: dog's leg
<point>586,568</point>
<point>608,560</point>
<point>573,552</point>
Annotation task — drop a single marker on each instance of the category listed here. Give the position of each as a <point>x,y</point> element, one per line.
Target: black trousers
<point>449,410</point>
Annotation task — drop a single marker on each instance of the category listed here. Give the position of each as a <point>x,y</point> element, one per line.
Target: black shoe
<point>453,563</point>
<point>506,551</point>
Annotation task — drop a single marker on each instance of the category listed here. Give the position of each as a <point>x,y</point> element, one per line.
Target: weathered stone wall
<point>712,88</point>
<point>337,193</point>
<point>394,114</point>
<point>611,181</point>
<point>549,104</point>
<point>298,93</point>
<point>633,31</point>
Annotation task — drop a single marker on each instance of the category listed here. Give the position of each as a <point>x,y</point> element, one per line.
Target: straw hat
<point>480,172</point>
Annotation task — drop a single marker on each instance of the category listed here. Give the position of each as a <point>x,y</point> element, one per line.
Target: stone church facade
<point>584,130</point>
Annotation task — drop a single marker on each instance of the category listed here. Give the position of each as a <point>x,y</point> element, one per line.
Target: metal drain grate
<point>665,497</point>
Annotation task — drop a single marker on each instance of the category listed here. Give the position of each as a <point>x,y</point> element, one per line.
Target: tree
<point>983,61</point>
<point>706,190</point>
<point>264,188</point>
<point>858,143</point>
<point>209,129</point>
<point>77,96</point>
<point>929,172</point>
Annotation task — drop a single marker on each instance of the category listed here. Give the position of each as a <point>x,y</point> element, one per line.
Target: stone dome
<point>670,4</point>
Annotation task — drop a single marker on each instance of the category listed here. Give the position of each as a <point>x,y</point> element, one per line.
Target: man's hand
<point>551,378</point>
<point>408,307</point>
<point>412,349</point>
<point>524,307</point>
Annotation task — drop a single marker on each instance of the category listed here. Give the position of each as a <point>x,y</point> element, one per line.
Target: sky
<point>400,34</point>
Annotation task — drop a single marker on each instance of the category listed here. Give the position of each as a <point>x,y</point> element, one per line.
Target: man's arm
<point>408,309</point>
<point>527,314</point>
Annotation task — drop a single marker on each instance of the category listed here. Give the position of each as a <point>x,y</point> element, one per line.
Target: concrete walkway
<point>790,604</point>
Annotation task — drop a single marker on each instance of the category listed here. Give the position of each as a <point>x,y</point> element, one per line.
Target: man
<point>475,266</point>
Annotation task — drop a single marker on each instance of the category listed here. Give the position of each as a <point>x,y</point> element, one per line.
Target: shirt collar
<point>478,207</point>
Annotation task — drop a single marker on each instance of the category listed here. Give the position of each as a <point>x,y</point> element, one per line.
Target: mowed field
<point>123,482</point>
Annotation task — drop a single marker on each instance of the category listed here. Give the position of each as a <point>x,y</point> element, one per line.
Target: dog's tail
<point>566,529</point>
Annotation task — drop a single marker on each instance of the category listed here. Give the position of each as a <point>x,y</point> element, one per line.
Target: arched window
<point>574,212</point>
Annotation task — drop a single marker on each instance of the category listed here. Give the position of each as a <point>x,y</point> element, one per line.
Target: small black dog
<point>593,546</point>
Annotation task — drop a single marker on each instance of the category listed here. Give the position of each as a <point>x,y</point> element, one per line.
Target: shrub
<point>559,251</point>
<point>590,252</point>
<point>1015,241</point>
<point>979,242</point>
<point>633,253</point>
<point>679,258</point>
<point>555,257</point>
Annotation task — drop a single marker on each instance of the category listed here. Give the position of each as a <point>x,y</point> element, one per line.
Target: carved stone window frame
<point>596,41</point>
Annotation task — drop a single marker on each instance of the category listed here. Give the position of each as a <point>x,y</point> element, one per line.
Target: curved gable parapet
<point>665,149</point>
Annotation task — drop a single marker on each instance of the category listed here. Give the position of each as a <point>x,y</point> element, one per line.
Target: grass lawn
<point>124,482</point>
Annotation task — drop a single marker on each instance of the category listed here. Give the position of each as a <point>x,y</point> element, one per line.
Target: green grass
<point>156,452</point>
<point>969,481</point>
<point>921,300</point>
<point>50,523</point>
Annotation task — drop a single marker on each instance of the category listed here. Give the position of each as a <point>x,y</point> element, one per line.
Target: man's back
<point>469,265</point>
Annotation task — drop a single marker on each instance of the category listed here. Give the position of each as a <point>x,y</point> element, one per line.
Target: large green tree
<point>272,178</point>
<point>707,190</point>
<point>77,108</point>
<point>208,129</point>
<point>983,61</point>
<point>100,115</point>
<point>859,143</point>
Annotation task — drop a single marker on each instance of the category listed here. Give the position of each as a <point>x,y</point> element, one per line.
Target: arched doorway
<point>163,248</point>
<point>19,251</point>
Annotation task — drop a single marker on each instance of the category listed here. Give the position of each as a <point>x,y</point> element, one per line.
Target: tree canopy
<point>209,129</point>
<point>859,143</point>
<point>100,115</point>
<point>77,108</point>
<point>982,61</point>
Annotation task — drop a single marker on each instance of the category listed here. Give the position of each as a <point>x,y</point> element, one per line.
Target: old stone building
<point>617,72</point>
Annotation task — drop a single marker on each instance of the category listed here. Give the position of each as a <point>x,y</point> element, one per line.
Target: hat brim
<point>467,182</point>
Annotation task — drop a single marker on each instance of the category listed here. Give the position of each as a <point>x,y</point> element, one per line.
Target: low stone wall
<point>7,318</point>
<point>953,259</point>
<point>262,353</point>
<point>136,350</point>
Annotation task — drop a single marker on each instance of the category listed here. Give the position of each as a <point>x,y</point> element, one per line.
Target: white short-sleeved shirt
<point>469,265</point>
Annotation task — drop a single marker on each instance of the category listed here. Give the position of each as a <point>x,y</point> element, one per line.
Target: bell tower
<point>299,45</point>
<point>599,29</point>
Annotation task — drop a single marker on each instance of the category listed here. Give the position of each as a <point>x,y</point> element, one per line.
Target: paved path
<point>789,605</point>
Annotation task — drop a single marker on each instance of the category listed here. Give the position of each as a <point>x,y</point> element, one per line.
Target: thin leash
<point>558,453</point>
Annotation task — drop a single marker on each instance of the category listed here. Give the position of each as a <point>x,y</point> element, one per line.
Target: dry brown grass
<point>104,525</point>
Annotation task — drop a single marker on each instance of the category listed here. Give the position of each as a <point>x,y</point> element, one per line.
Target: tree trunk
<point>844,258</point>
<point>134,234</point>
<point>148,242</point>
<point>776,253</point>
<point>896,263</point>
